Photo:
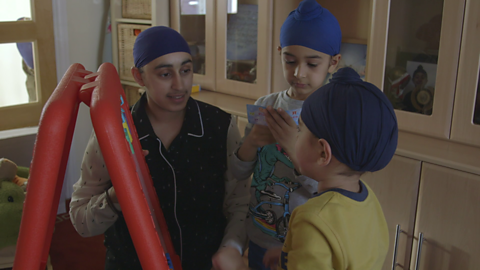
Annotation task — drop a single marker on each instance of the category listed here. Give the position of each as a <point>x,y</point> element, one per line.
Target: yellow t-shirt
<point>339,230</point>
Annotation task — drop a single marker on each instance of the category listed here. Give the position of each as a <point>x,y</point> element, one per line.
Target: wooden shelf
<point>354,41</point>
<point>129,83</point>
<point>136,21</point>
<point>231,104</point>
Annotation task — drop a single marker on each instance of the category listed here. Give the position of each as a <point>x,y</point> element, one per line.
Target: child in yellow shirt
<point>347,127</point>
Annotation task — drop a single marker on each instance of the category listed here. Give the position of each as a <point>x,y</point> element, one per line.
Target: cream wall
<point>85,22</point>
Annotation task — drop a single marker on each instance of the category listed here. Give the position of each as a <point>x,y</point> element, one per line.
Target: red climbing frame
<point>123,156</point>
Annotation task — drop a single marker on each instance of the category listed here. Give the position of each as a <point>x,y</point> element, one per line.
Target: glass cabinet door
<point>413,57</point>
<point>195,20</point>
<point>466,110</point>
<point>243,54</point>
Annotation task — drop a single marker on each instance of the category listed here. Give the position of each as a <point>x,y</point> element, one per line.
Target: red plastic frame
<point>124,159</point>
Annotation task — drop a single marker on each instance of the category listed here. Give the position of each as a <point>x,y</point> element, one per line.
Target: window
<point>35,33</point>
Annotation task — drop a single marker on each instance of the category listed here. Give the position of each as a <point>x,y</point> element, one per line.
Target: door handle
<point>395,247</point>
<point>419,250</point>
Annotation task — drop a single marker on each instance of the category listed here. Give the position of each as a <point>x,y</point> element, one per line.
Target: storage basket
<point>127,33</point>
<point>137,9</point>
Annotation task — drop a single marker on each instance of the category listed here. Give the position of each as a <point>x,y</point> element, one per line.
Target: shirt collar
<point>192,123</point>
<point>359,197</point>
<point>193,119</point>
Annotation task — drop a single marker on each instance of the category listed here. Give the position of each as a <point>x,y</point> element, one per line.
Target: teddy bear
<point>12,196</point>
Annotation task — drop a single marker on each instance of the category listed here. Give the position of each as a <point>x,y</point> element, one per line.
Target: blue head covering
<point>155,42</point>
<point>313,27</point>
<point>355,118</point>
<point>26,51</point>
<point>25,48</point>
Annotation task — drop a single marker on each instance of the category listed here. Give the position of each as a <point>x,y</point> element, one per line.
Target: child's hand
<point>271,257</point>
<point>113,195</point>
<point>259,136</point>
<point>228,258</point>
<point>283,128</point>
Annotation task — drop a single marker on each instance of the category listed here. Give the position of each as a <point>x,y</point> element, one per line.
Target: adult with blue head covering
<point>356,119</point>
<point>347,127</point>
<point>155,42</point>
<point>188,144</point>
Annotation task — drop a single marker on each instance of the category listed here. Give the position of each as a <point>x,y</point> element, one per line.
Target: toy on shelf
<point>12,188</point>
<point>13,181</point>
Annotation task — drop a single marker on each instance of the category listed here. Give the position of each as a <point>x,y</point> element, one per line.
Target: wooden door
<point>396,187</point>
<point>243,59</point>
<point>466,111</point>
<point>448,215</point>
<point>410,35</point>
<point>195,20</point>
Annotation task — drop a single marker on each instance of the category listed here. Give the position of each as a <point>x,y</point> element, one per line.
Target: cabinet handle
<point>395,246</point>
<point>419,250</point>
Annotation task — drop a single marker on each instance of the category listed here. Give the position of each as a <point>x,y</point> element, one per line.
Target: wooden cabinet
<point>406,37</point>
<point>243,61</point>
<point>232,42</point>
<point>439,202</point>
<point>431,185</point>
<point>466,110</point>
<point>196,23</point>
<point>353,17</point>
<point>448,217</point>
<point>133,15</point>
<point>236,48</point>
<point>442,38</point>
<point>396,188</point>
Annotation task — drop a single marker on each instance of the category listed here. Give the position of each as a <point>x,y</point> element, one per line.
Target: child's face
<point>168,80</point>
<point>305,69</point>
<point>305,150</point>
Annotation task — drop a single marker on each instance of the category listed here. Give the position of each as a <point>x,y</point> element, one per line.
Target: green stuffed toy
<point>12,196</point>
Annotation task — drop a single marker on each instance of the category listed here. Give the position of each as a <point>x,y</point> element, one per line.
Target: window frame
<point>39,31</point>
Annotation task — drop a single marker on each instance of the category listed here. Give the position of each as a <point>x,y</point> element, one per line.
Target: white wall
<point>79,27</point>
<point>17,145</point>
